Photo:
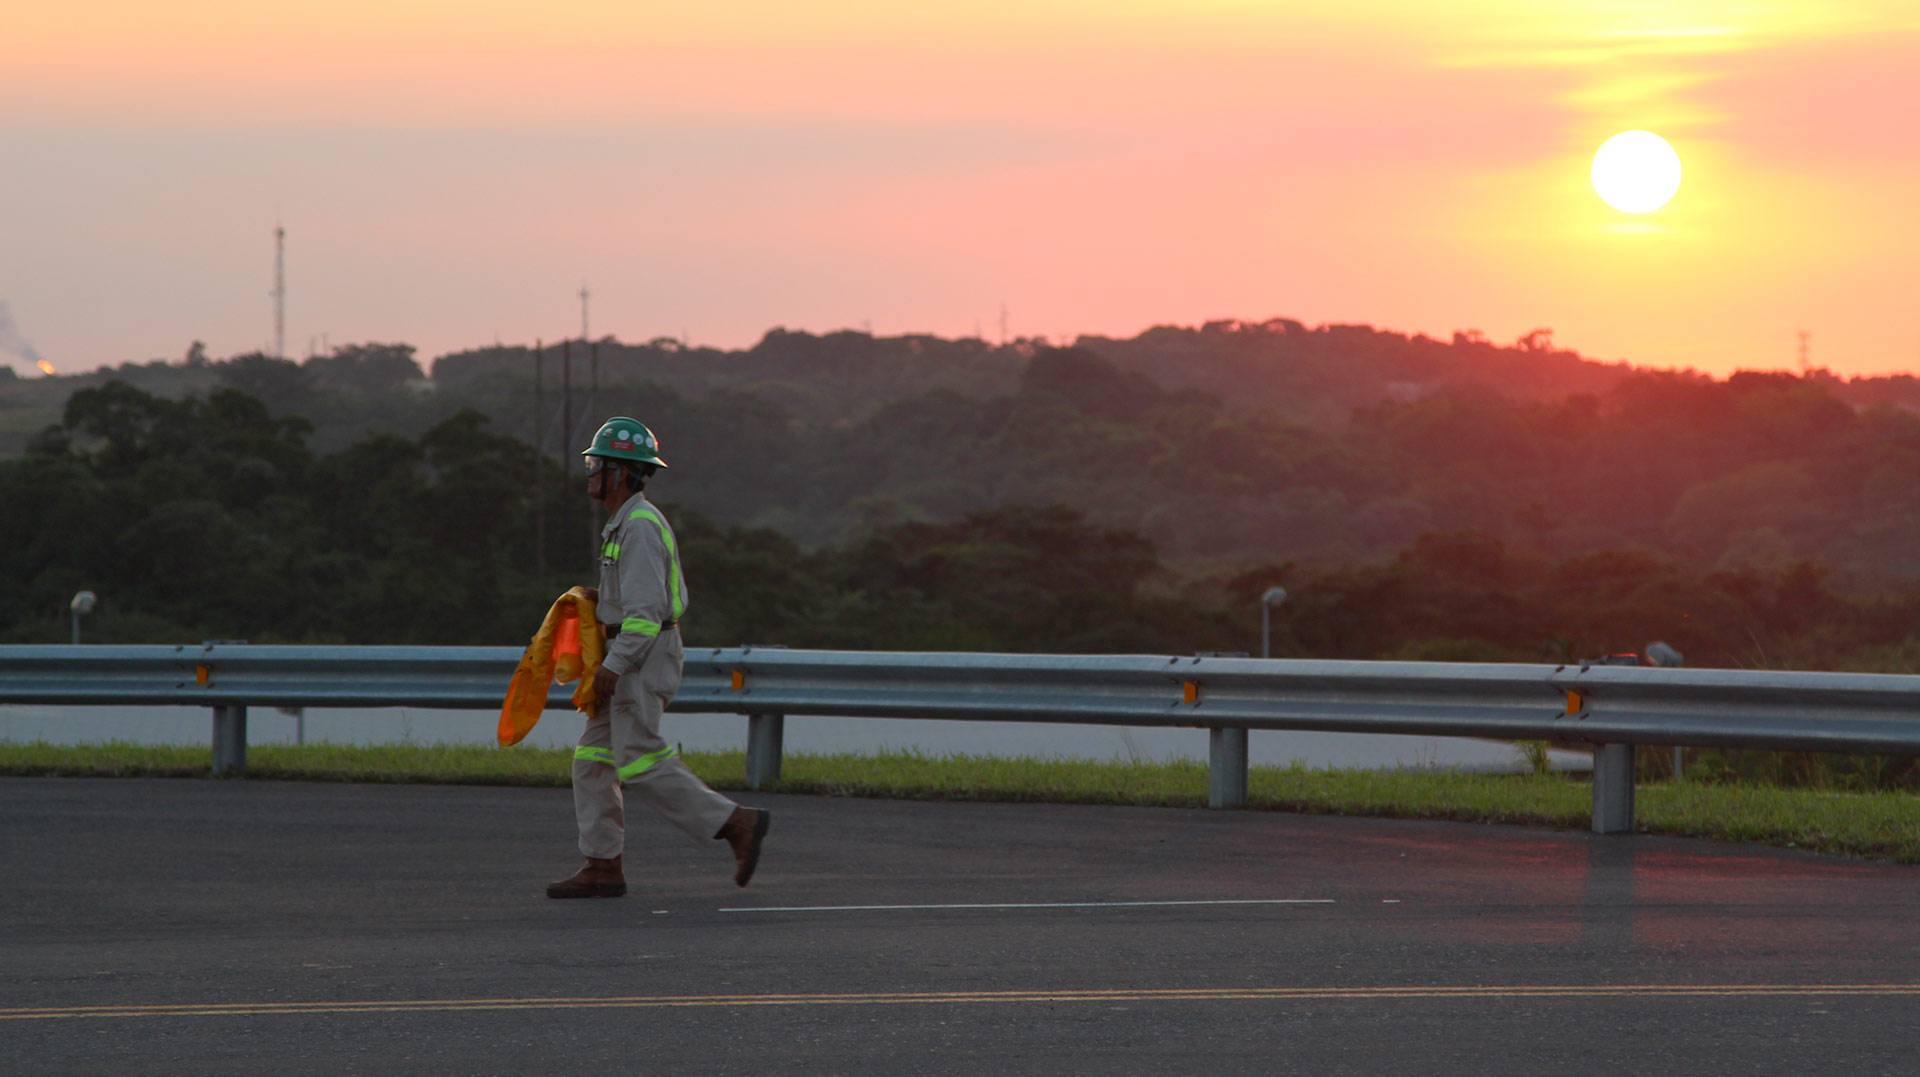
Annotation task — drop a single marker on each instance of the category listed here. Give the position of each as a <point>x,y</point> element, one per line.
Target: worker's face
<point>601,473</point>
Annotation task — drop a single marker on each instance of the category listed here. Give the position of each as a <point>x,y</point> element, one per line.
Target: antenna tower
<point>279,292</point>
<point>1806,361</point>
<point>584,296</point>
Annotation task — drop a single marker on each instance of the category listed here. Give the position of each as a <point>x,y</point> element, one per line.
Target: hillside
<point>1227,445</point>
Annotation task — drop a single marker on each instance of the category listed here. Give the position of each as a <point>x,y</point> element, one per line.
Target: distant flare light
<point>45,367</point>
<point>1636,172</point>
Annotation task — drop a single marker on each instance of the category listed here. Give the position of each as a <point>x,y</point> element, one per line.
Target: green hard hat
<point>621,438</point>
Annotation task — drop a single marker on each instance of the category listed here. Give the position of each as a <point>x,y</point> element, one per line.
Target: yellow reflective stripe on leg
<point>640,625</point>
<point>673,559</point>
<point>593,755</point>
<point>647,762</point>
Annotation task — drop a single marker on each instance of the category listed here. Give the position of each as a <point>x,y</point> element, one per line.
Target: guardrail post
<point>1226,767</point>
<point>765,734</point>
<point>1613,789</point>
<point>229,740</point>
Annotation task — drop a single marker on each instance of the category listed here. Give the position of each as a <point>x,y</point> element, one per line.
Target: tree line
<point>211,517</point>
<point>1229,445</point>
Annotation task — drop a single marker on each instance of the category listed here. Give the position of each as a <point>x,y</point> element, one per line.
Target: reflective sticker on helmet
<point>623,435</point>
<point>625,446</point>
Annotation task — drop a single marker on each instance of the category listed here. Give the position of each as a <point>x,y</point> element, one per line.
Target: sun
<point>1636,172</point>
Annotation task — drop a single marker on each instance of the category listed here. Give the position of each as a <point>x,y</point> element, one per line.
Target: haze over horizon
<point>427,360</point>
<point>452,173</point>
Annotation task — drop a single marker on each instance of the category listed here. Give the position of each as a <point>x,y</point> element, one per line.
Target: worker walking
<point>640,600</point>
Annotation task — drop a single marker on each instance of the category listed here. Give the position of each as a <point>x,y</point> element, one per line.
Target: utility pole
<point>593,408</point>
<point>566,398</point>
<point>279,292</point>
<point>539,466</point>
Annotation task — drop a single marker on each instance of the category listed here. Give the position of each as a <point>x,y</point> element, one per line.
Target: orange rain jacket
<point>560,651</point>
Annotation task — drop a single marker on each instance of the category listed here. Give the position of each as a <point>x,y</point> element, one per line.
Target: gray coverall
<point>642,592</point>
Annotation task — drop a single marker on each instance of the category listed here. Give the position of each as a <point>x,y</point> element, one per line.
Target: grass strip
<point>1879,825</point>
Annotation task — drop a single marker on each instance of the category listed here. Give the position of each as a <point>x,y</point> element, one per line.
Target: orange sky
<point>452,172</point>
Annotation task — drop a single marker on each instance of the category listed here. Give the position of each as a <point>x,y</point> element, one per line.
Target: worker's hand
<point>593,595</point>
<point>604,680</point>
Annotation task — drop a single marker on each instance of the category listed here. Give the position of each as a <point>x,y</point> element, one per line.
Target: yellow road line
<point>1199,994</point>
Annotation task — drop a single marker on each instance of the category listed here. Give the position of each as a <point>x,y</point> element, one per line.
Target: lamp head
<point>1660,654</point>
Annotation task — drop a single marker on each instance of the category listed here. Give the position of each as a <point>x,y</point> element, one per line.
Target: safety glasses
<point>595,465</point>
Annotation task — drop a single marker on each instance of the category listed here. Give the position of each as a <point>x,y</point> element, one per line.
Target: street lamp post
<point>82,604</point>
<point>1662,655</point>
<point>1273,597</point>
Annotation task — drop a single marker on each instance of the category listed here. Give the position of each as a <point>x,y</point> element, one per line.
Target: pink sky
<point>452,173</point>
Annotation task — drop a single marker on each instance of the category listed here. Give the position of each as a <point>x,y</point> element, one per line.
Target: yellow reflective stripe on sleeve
<point>647,762</point>
<point>593,755</point>
<point>673,559</point>
<point>611,549</point>
<point>640,625</point>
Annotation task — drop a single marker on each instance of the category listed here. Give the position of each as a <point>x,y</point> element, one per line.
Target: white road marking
<point>1039,996</point>
<point>1033,905</point>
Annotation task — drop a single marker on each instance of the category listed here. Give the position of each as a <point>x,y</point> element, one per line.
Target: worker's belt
<point>614,630</point>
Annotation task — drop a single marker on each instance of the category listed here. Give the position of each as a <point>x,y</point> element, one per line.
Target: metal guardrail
<point>1611,707</point>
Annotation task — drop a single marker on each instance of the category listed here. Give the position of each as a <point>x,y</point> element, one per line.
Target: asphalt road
<point>248,927</point>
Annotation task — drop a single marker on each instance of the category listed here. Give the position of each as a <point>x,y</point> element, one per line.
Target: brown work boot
<point>744,830</point>
<point>600,878</point>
